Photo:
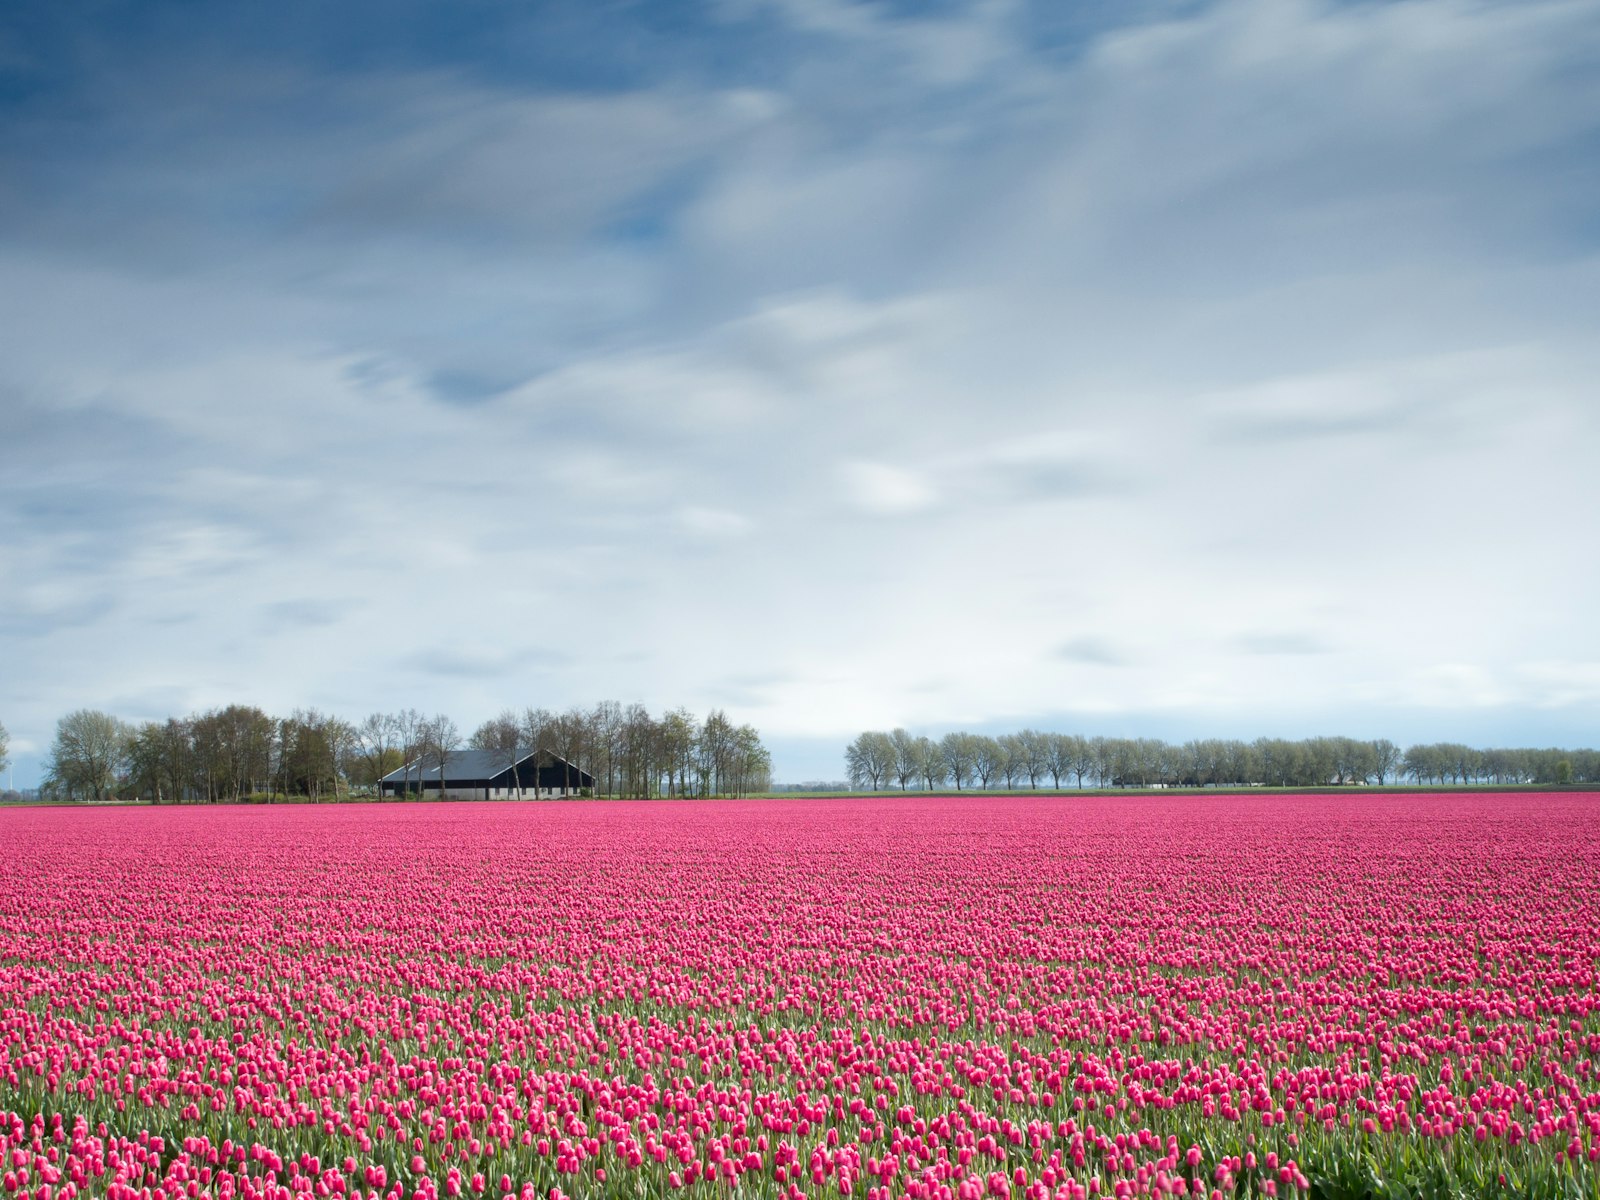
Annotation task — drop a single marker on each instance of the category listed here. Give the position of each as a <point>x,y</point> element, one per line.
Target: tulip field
<point>928,997</point>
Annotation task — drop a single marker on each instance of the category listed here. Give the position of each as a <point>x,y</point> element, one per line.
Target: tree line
<point>1031,759</point>
<point>240,751</point>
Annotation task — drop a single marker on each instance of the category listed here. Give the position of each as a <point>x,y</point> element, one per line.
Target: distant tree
<point>1385,759</point>
<point>1318,762</point>
<point>501,734</point>
<point>869,761</point>
<point>1165,762</point>
<point>1279,761</point>
<point>206,765</point>
<point>605,756</point>
<point>572,736</point>
<point>88,752</point>
<point>641,751</point>
<point>1102,754</point>
<point>907,762</point>
<point>964,758</point>
<point>1082,757</point>
<point>280,758</point>
<point>931,767</point>
<point>410,727</point>
<point>538,731</point>
<point>1244,765</point>
<point>750,764</point>
<point>1586,765</point>
<point>142,751</point>
<point>1505,765</point>
<point>1205,761</point>
<point>680,732</point>
<point>176,762</point>
<point>1058,757</point>
<point>375,749</point>
<point>710,751</point>
<point>160,763</point>
<point>1119,763</point>
<point>1416,763</point>
<point>235,750</point>
<point>505,736</point>
<point>441,739</point>
<point>958,752</point>
<point>988,758</point>
<point>316,748</point>
<point>730,760</point>
<point>1013,759</point>
<point>1410,764</point>
<point>5,748</point>
<point>1032,755</point>
<point>1542,764</point>
<point>1353,761</point>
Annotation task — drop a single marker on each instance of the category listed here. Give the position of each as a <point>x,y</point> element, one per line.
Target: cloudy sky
<point>1142,367</point>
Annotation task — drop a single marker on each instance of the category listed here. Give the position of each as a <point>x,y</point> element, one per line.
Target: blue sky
<point>1135,368</point>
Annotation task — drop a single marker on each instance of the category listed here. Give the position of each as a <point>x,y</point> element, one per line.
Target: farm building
<point>488,775</point>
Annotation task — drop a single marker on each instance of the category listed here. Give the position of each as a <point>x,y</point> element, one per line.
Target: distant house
<point>488,775</point>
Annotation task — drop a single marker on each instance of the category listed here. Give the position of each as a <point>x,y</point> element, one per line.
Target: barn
<point>488,775</point>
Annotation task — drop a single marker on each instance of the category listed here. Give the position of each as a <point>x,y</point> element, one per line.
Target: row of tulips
<point>930,998</point>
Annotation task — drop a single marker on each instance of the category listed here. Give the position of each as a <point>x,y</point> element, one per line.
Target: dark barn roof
<point>485,768</point>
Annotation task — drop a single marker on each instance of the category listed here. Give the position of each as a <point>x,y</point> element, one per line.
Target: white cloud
<point>944,51</point>
<point>714,523</point>
<point>886,490</point>
<point>1560,684</point>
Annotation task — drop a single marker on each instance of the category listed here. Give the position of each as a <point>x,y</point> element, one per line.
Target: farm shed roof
<point>465,765</point>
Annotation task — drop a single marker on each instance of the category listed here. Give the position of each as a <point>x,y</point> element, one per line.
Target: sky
<point>1156,368</point>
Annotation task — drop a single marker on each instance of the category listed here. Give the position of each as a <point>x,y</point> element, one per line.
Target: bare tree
<point>408,730</point>
<point>713,752</point>
<point>88,752</point>
<point>751,763</point>
<point>573,739</point>
<point>441,739</point>
<point>1031,753</point>
<point>177,758</point>
<point>605,727</point>
<point>988,758</point>
<point>375,743</point>
<point>235,746</point>
<point>341,738</point>
<point>314,750</point>
<point>280,756</point>
<point>640,751</point>
<point>1385,759</point>
<point>1057,757</point>
<point>958,752</point>
<point>680,732</point>
<point>906,763</point>
<point>538,732</point>
<point>1101,755</point>
<point>501,734</point>
<point>930,763</point>
<point>870,759</point>
<point>858,762</point>
<point>1084,757</point>
<point>503,737</point>
<point>143,751</point>
<point>1013,759</point>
